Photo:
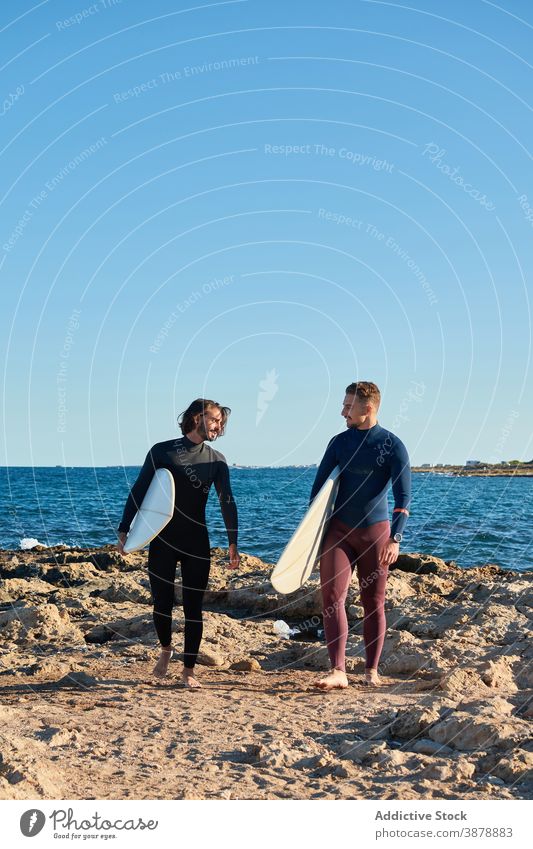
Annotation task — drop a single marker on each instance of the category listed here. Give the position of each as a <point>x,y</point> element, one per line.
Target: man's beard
<point>203,432</point>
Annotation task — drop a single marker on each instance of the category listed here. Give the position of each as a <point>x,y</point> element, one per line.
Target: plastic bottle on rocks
<point>283,630</point>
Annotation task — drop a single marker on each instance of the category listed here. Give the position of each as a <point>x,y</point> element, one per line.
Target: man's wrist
<point>397,538</point>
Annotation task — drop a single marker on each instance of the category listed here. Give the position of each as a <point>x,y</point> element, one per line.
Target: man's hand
<point>389,553</point>
<point>120,544</point>
<point>234,558</point>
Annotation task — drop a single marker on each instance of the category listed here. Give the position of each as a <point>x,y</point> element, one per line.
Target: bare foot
<point>161,667</point>
<point>188,680</point>
<point>336,680</point>
<point>371,678</point>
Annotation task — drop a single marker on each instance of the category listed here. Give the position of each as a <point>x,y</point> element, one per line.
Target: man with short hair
<point>359,534</point>
<point>195,466</point>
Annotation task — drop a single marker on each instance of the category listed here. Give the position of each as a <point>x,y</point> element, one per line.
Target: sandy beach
<point>83,718</point>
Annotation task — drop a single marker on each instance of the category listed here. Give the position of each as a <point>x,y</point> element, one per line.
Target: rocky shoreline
<point>83,718</point>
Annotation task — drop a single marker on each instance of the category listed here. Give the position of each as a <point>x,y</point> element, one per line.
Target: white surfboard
<point>155,512</point>
<point>301,552</point>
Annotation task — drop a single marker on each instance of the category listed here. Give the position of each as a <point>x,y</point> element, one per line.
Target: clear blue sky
<point>261,202</point>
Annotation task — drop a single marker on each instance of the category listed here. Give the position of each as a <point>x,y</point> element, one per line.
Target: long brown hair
<point>201,405</point>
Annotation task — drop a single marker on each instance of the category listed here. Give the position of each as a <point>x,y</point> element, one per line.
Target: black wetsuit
<point>194,469</point>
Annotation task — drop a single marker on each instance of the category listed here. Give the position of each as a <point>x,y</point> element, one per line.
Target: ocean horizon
<point>472,521</point>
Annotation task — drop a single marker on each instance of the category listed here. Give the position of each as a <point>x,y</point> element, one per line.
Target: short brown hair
<point>201,405</point>
<point>365,391</point>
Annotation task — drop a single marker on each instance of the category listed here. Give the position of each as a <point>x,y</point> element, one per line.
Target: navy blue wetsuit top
<point>194,467</point>
<point>368,460</point>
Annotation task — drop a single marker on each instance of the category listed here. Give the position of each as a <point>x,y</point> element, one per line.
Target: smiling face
<point>355,410</point>
<point>209,425</point>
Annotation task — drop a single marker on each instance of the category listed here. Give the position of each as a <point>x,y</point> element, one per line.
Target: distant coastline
<point>512,469</point>
<point>501,470</point>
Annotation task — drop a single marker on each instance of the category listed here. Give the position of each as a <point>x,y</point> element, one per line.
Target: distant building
<point>439,465</point>
<point>473,463</point>
<point>425,466</point>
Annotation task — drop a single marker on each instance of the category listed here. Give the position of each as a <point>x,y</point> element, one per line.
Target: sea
<point>470,520</point>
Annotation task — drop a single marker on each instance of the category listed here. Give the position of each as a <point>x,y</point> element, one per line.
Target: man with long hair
<point>359,534</point>
<point>195,466</point>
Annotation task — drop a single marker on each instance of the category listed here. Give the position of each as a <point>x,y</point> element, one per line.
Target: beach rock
<point>249,563</point>
<point>519,592</point>
<point>425,623</point>
<point>277,756</point>
<point>524,676</point>
<point>464,769</point>
<point>421,564</point>
<point>492,706</point>
<point>466,732</point>
<point>14,589</point>
<point>81,595</point>
<point>10,569</point>
<point>44,623</point>
<point>433,584</point>
<point>107,560</point>
<point>316,657</point>
<point>501,624</point>
<point>210,658</point>
<point>11,660</point>
<point>425,746</point>
<point>248,588</point>
<point>99,634</point>
<point>391,759</point>
<point>246,665</point>
<point>461,769</point>
<point>125,589</point>
<point>18,779</point>
<point>398,589</point>
<point>525,710</point>
<point>412,722</point>
<point>251,592</point>
<point>77,679</point>
<point>361,751</point>
<point>9,563</point>
<point>50,667</point>
<point>515,767</point>
<point>460,681</point>
<point>404,654</point>
<point>138,627</point>
<point>348,769</point>
<point>478,591</point>
<point>121,621</point>
<point>499,673</point>
<point>70,574</point>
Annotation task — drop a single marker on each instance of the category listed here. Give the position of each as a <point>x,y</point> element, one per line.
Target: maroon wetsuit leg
<point>344,547</point>
<point>336,564</point>
<point>369,543</point>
